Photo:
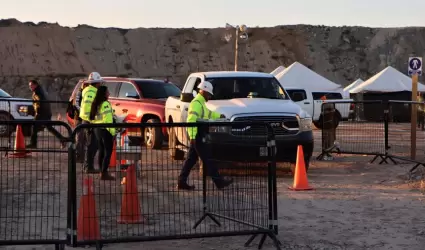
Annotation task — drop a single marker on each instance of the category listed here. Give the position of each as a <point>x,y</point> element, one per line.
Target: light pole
<point>242,35</point>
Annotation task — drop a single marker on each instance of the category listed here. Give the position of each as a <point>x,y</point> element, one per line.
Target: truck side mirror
<point>186,97</point>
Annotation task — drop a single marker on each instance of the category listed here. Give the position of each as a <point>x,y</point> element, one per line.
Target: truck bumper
<point>226,147</point>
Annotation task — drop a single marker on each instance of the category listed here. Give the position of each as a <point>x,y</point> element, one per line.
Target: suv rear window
<point>329,96</point>
<point>157,89</point>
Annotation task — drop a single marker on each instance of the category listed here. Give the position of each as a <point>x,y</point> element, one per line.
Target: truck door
<point>299,96</point>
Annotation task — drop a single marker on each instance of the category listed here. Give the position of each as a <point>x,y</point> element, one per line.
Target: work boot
<point>182,185</point>
<point>106,177</point>
<point>223,183</point>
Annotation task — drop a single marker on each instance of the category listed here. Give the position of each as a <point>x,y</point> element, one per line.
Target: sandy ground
<point>355,204</point>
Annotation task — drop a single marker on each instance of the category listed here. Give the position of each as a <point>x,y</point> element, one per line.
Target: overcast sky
<point>215,13</point>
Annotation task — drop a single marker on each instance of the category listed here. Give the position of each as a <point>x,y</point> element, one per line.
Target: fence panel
<point>149,206</point>
<point>33,185</point>
<point>362,133</point>
<point>399,132</point>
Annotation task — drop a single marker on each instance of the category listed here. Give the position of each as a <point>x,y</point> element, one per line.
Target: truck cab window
<point>328,95</point>
<point>297,95</point>
<point>127,88</point>
<point>226,88</point>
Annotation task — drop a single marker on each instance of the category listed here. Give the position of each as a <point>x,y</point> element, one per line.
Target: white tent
<point>277,70</point>
<point>353,85</point>
<point>388,80</point>
<point>299,76</point>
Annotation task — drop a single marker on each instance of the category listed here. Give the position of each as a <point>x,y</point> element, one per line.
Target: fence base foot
<point>416,166</point>
<point>324,156</point>
<point>209,215</point>
<point>276,242</point>
<point>59,247</point>
<point>384,159</point>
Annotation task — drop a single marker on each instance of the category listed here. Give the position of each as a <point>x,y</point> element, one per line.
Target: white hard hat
<point>94,77</point>
<point>206,86</point>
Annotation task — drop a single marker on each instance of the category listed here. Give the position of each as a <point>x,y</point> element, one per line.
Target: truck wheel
<point>153,135</point>
<point>175,153</point>
<point>6,130</point>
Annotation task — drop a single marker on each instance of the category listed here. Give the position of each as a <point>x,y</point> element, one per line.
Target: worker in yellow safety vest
<point>101,112</point>
<point>94,80</point>
<point>199,111</point>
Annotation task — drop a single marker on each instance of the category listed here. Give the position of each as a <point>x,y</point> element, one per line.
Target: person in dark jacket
<point>42,112</point>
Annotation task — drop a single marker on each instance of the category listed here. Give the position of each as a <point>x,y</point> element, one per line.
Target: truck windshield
<point>4,94</point>
<point>244,87</point>
<point>157,89</point>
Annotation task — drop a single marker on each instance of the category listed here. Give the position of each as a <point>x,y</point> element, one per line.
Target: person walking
<point>42,112</point>
<point>101,112</point>
<point>198,148</point>
<point>88,94</point>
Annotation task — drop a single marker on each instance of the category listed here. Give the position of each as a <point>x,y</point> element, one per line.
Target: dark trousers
<point>36,128</point>
<point>201,150</point>
<point>80,142</point>
<point>106,144</point>
<point>90,147</point>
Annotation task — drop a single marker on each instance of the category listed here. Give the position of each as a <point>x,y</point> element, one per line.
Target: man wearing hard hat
<point>197,111</point>
<point>94,80</point>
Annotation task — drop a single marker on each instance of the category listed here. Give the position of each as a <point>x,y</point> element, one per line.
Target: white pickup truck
<point>244,96</point>
<point>311,102</point>
<point>12,108</point>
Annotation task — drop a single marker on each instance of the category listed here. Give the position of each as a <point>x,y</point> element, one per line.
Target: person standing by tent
<point>88,95</point>
<point>421,112</point>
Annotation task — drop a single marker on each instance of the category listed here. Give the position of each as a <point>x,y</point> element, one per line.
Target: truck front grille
<point>282,125</point>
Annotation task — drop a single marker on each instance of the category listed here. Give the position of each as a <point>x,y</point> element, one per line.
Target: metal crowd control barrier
<point>378,128</point>
<point>143,203</point>
<point>33,204</point>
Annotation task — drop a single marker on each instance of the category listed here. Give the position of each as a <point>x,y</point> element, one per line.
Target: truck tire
<point>6,130</point>
<point>175,153</point>
<point>152,136</point>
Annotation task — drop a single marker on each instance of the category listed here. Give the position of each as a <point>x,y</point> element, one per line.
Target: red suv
<point>144,100</point>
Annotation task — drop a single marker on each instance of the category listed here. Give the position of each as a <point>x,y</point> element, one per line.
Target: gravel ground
<point>355,204</point>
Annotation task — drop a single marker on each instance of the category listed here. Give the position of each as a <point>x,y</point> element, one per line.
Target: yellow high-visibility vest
<point>87,99</point>
<point>105,114</point>
<point>198,110</point>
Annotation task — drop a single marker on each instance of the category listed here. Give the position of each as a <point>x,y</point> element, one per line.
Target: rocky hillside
<point>60,55</point>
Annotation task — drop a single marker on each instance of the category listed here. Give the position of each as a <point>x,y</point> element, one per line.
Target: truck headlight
<point>22,110</point>
<point>219,129</point>
<point>305,124</point>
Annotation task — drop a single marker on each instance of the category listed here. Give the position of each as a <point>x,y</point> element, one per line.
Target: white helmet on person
<point>206,86</point>
<point>94,77</point>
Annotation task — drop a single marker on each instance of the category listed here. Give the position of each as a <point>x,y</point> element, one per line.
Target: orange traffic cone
<point>130,207</point>
<point>19,149</point>
<point>88,222</point>
<point>300,178</point>
<point>113,161</point>
<point>123,163</point>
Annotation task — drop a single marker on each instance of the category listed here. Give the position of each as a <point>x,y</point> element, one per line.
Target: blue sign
<point>415,66</point>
